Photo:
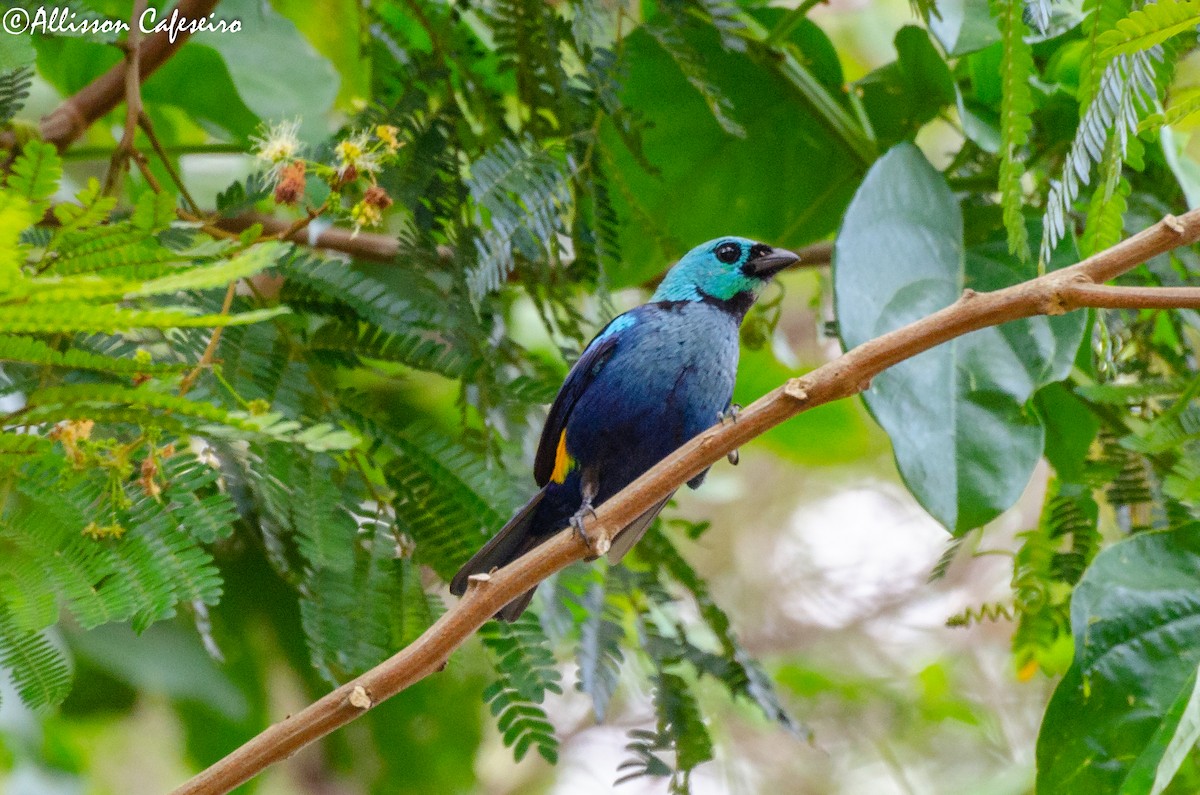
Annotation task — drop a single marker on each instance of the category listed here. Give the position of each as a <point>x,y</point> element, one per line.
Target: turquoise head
<point>728,271</point>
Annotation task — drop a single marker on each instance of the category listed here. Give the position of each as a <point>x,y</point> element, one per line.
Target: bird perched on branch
<point>652,379</point>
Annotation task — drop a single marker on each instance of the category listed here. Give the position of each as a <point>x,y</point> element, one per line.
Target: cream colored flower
<point>280,144</point>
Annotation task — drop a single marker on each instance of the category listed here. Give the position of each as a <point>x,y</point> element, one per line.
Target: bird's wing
<point>589,365</point>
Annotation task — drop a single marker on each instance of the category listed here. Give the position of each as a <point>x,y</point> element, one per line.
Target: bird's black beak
<point>765,262</point>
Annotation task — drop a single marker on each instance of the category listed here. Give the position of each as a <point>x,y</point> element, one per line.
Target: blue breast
<point>671,375</point>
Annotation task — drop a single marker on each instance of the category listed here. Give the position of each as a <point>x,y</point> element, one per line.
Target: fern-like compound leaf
<point>1016,108</point>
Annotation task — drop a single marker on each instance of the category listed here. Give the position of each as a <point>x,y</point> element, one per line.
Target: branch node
<point>360,698</point>
<point>968,294</point>
<point>1173,223</point>
<point>477,581</point>
<point>794,388</point>
<point>1056,304</point>
<point>598,544</point>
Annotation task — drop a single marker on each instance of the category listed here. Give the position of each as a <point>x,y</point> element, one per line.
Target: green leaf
<point>1070,430</point>
<point>695,68</point>
<point>526,669</point>
<point>1149,25</point>
<point>784,139</point>
<point>15,216</point>
<point>14,82</point>
<point>80,317</point>
<point>1016,107</point>
<point>599,652</point>
<point>82,396</point>
<point>15,445</point>
<point>38,669</point>
<point>1128,710</point>
<point>445,498</point>
<point>153,211</point>
<point>341,44</point>
<point>268,59</point>
<point>213,100</point>
<point>36,173</point>
<point>901,97</point>
<point>419,351</point>
<point>33,351</point>
<point>245,264</point>
<point>523,188</point>
<point>963,26</point>
<point>1102,16</point>
<point>93,208</point>
<point>963,440</point>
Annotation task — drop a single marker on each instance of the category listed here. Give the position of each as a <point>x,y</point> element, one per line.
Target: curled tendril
<point>988,611</point>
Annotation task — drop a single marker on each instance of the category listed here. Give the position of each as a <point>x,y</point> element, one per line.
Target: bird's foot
<point>594,542</point>
<point>730,415</point>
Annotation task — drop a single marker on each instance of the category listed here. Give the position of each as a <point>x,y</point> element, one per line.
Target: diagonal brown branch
<point>70,120</point>
<point>849,374</point>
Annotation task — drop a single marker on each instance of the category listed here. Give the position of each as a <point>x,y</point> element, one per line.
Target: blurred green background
<point>817,550</point>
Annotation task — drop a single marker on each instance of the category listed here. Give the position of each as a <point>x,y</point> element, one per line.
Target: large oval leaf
<point>786,181</point>
<point>963,440</point>
<point>1128,711</point>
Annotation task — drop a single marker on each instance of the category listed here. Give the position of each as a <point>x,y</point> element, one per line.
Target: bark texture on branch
<point>1055,293</point>
<point>70,120</point>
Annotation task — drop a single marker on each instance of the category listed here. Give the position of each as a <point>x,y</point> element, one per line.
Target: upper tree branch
<point>384,248</point>
<point>1051,294</point>
<point>70,120</point>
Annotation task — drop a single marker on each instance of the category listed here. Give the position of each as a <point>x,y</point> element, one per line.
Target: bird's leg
<point>730,415</point>
<point>589,487</point>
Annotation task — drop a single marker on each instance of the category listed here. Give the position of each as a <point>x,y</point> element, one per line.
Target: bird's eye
<point>728,253</point>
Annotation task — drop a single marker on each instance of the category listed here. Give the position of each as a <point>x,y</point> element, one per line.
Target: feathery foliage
<point>526,674</point>
<point>1126,91</point>
<point>1149,26</point>
<point>599,653</point>
<point>1016,69</point>
<point>14,90</point>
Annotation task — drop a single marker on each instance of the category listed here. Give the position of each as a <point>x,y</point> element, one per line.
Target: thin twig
<point>148,129</point>
<point>298,227</point>
<point>210,350</point>
<point>119,163</point>
<point>846,375</point>
<point>210,228</point>
<point>140,160</point>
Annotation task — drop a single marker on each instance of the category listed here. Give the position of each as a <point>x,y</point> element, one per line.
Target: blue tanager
<point>652,379</point>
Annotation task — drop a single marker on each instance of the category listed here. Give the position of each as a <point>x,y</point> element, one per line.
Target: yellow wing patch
<point>563,462</point>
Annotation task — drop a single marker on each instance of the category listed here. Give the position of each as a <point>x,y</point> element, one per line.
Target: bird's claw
<point>577,523</point>
<point>730,414</point>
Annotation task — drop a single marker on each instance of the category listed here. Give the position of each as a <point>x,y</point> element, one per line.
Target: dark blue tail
<point>511,542</point>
